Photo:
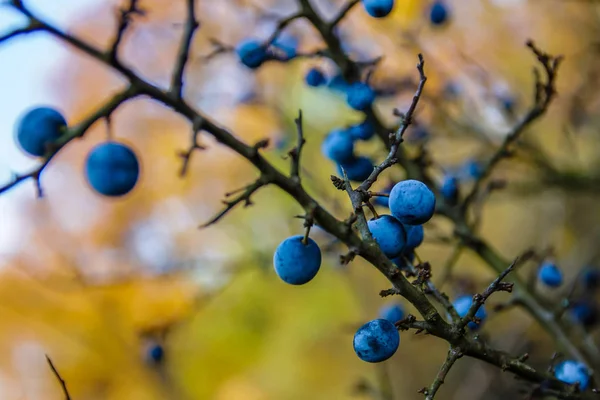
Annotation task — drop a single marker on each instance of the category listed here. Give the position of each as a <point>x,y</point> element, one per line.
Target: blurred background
<point>132,301</point>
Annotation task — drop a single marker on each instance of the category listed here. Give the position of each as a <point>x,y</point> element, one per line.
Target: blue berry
<point>571,372</point>
<point>39,128</point>
<point>419,134</point>
<point>462,306</point>
<point>376,341</point>
<point>378,8</point>
<point>382,200</point>
<point>590,278</point>
<point>403,260</point>
<point>508,103</point>
<point>473,169</point>
<point>550,274</point>
<point>392,312</point>
<point>452,90</point>
<point>296,263</point>
<point>338,146</point>
<point>360,96</point>
<point>288,44</point>
<point>251,53</point>
<point>363,131</point>
<point>583,312</point>
<point>112,169</point>
<point>338,83</point>
<point>315,78</point>
<point>438,13</point>
<point>412,202</point>
<point>358,169</point>
<point>414,236</point>
<point>389,233</point>
<point>449,188</point>
<point>156,353</point>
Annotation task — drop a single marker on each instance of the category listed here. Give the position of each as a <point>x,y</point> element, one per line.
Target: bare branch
<point>453,355</point>
<point>396,139</point>
<point>342,14</point>
<point>496,286</point>
<point>125,17</point>
<point>296,152</point>
<point>544,94</point>
<point>62,382</point>
<point>183,54</point>
<point>248,191</point>
<point>186,156</point>
<point>281,25</point>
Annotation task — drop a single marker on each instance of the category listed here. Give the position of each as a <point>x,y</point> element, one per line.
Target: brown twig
<point>62,382</point>
<point>453,355</point>
<point>247,193</point>
<point>183,54</point>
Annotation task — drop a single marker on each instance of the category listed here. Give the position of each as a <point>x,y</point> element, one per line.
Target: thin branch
<point>450,263</point>
<point>431,289</point>
<point>296,152</point>
<point>453,355</point>
<point>186,156</point>
<point>396,139</point>
<point>62,382</point>
<point>31,27</point>
<point>184,49</point>
<point>544,93</point>
<point>248,191</point>
<point>342,14</point>
<point>281,25</point>
<point>496,286</point>
<point>125,18</point>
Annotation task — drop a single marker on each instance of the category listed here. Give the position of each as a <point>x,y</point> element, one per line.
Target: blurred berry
<point>156,353</point>
<point>338,83</point>
<point>338,146</point>
<point>438,13</point>
<point>363,131</point>
<point>287,44</point>
<point>414,236</point>
<point>571,372</point>
<point>462,306</point>
<point>550,274</point>
<point>382,200</point>
<point>360,96</point>
<point>315,78</point>
<point>378,8</point>
<point>358,169</point>
<point>251,53</point>
<point>583,312</point>
<point>449,189</point>
<point>392,312</point>
<point>590,278</point>
<point>416,135</point>
<point>408,256</point>
<point>472,169</point>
